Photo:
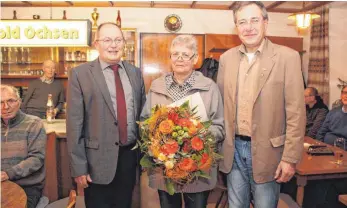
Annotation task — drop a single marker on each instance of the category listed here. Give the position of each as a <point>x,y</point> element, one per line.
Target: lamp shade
<point>303,20</point>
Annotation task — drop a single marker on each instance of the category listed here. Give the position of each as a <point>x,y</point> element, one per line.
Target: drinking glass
<point>338,152</point>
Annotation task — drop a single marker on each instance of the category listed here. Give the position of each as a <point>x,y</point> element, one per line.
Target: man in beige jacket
<point>262,88</point>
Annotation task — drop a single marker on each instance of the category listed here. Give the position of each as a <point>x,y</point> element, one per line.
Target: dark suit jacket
<point>92,131</point>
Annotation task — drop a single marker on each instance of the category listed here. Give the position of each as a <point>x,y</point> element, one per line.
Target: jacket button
<point>116,143</point>
<point>116,123</point>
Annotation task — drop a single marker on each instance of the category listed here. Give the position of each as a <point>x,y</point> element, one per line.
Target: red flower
<point>205,162</point>
<point>169,148</point>
<point>197,144</point>
<point>173,116</point>
<point>204,158</point>
<point>184,122</point>
<point>186,146</point>
<point>187,164</point>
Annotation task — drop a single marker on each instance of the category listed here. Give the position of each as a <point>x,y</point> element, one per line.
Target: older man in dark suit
<point>104,101</point>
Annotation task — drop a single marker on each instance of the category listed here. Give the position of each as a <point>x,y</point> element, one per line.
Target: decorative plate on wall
<point>173,23</point>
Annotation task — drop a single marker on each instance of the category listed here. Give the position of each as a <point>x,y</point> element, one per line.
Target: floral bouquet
<point>175,140</point>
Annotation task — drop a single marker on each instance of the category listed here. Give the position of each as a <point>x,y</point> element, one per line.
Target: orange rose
<point>166,126</point>
<point>192,130</point>
<point>205,162</point>
<point>187,164</point>
<point>171,147</point>
<point>197,144</point>
<point>155,150</point>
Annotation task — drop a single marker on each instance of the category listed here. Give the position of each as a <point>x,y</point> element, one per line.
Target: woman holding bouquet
<point>176,85</point>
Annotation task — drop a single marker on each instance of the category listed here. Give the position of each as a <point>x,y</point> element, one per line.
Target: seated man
<point>35,101</point>
<point>23,144</point>
<point>316,111</point>
<point>335,124</point>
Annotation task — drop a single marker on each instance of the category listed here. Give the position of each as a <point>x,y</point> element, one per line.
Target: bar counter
<point>58,177</point>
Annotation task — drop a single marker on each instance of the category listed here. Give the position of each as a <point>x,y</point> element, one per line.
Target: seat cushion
<point>285,201</point>
<point>43,202</point>
<point>59,203</point>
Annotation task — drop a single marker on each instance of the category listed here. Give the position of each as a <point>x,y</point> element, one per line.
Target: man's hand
<point>83,180</point>
<point>284,172</point>
<point>4,176</point>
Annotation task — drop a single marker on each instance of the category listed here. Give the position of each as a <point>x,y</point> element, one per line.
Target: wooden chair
<point>343,199</point>
<point>73,201</point>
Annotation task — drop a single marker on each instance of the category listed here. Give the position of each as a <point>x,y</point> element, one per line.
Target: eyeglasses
<point>185,57</point>
<point>253,22</point>
<point>109,41</point>
<point>344,93</point>
<point>10,102</point>
<point>308,96</point>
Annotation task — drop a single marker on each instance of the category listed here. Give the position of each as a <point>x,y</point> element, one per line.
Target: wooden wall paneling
<point>217,44</point>
<point>155,52</point>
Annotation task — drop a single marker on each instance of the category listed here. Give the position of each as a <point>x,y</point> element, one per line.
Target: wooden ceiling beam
<point>28,3</point>
<point>193,4</point>
<point>69,2</point>
<point>315,5</point>
<point>285,10</point>
<point>111,3</point>
<point>274,5</point>
<point>232,5</point>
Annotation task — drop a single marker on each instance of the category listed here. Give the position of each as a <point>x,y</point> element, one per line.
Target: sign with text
<point>40,33</point>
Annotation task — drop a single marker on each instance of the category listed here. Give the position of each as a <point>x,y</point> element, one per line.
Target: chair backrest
<point>72,199</point>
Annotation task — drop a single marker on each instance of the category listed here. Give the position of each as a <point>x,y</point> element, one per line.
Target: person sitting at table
<point>23,144</point>
<point>335,124</point>
<point>316,111</point>
<point>35,101</point>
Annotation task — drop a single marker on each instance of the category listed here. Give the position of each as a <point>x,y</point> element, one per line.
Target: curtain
<point>318,67</point>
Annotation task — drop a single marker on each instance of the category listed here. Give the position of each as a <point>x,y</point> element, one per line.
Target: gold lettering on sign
<point>29,32</point>
<point>47,33</point>
<point>56,34</point>
<point>10,34</point>
<point>65,34</point>
<point>39,33</point>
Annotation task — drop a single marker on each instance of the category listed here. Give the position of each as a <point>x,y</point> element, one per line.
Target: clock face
<point>173,23</point>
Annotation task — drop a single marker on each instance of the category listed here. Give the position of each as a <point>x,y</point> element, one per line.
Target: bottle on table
<point>50,109</point>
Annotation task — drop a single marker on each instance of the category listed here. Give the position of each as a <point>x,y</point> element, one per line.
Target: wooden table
<point>317,168</point>
<point>12,195</point>
<point>343,199</point>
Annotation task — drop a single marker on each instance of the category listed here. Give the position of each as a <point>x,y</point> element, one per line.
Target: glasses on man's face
<point>10,102</point>
<point>344,93</point>
<point>109,41</point>
<point>184,56</point>
<point>255,21</point>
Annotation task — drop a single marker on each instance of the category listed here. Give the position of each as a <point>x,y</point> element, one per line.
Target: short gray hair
<point>240,4</point>
<point>10,88</point>
<point>107,23</point>
<point>48,60</point>
<point>187,40</point>
<point>313,91</point>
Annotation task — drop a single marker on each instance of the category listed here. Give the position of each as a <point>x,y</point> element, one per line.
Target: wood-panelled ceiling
<point>272,6</point>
